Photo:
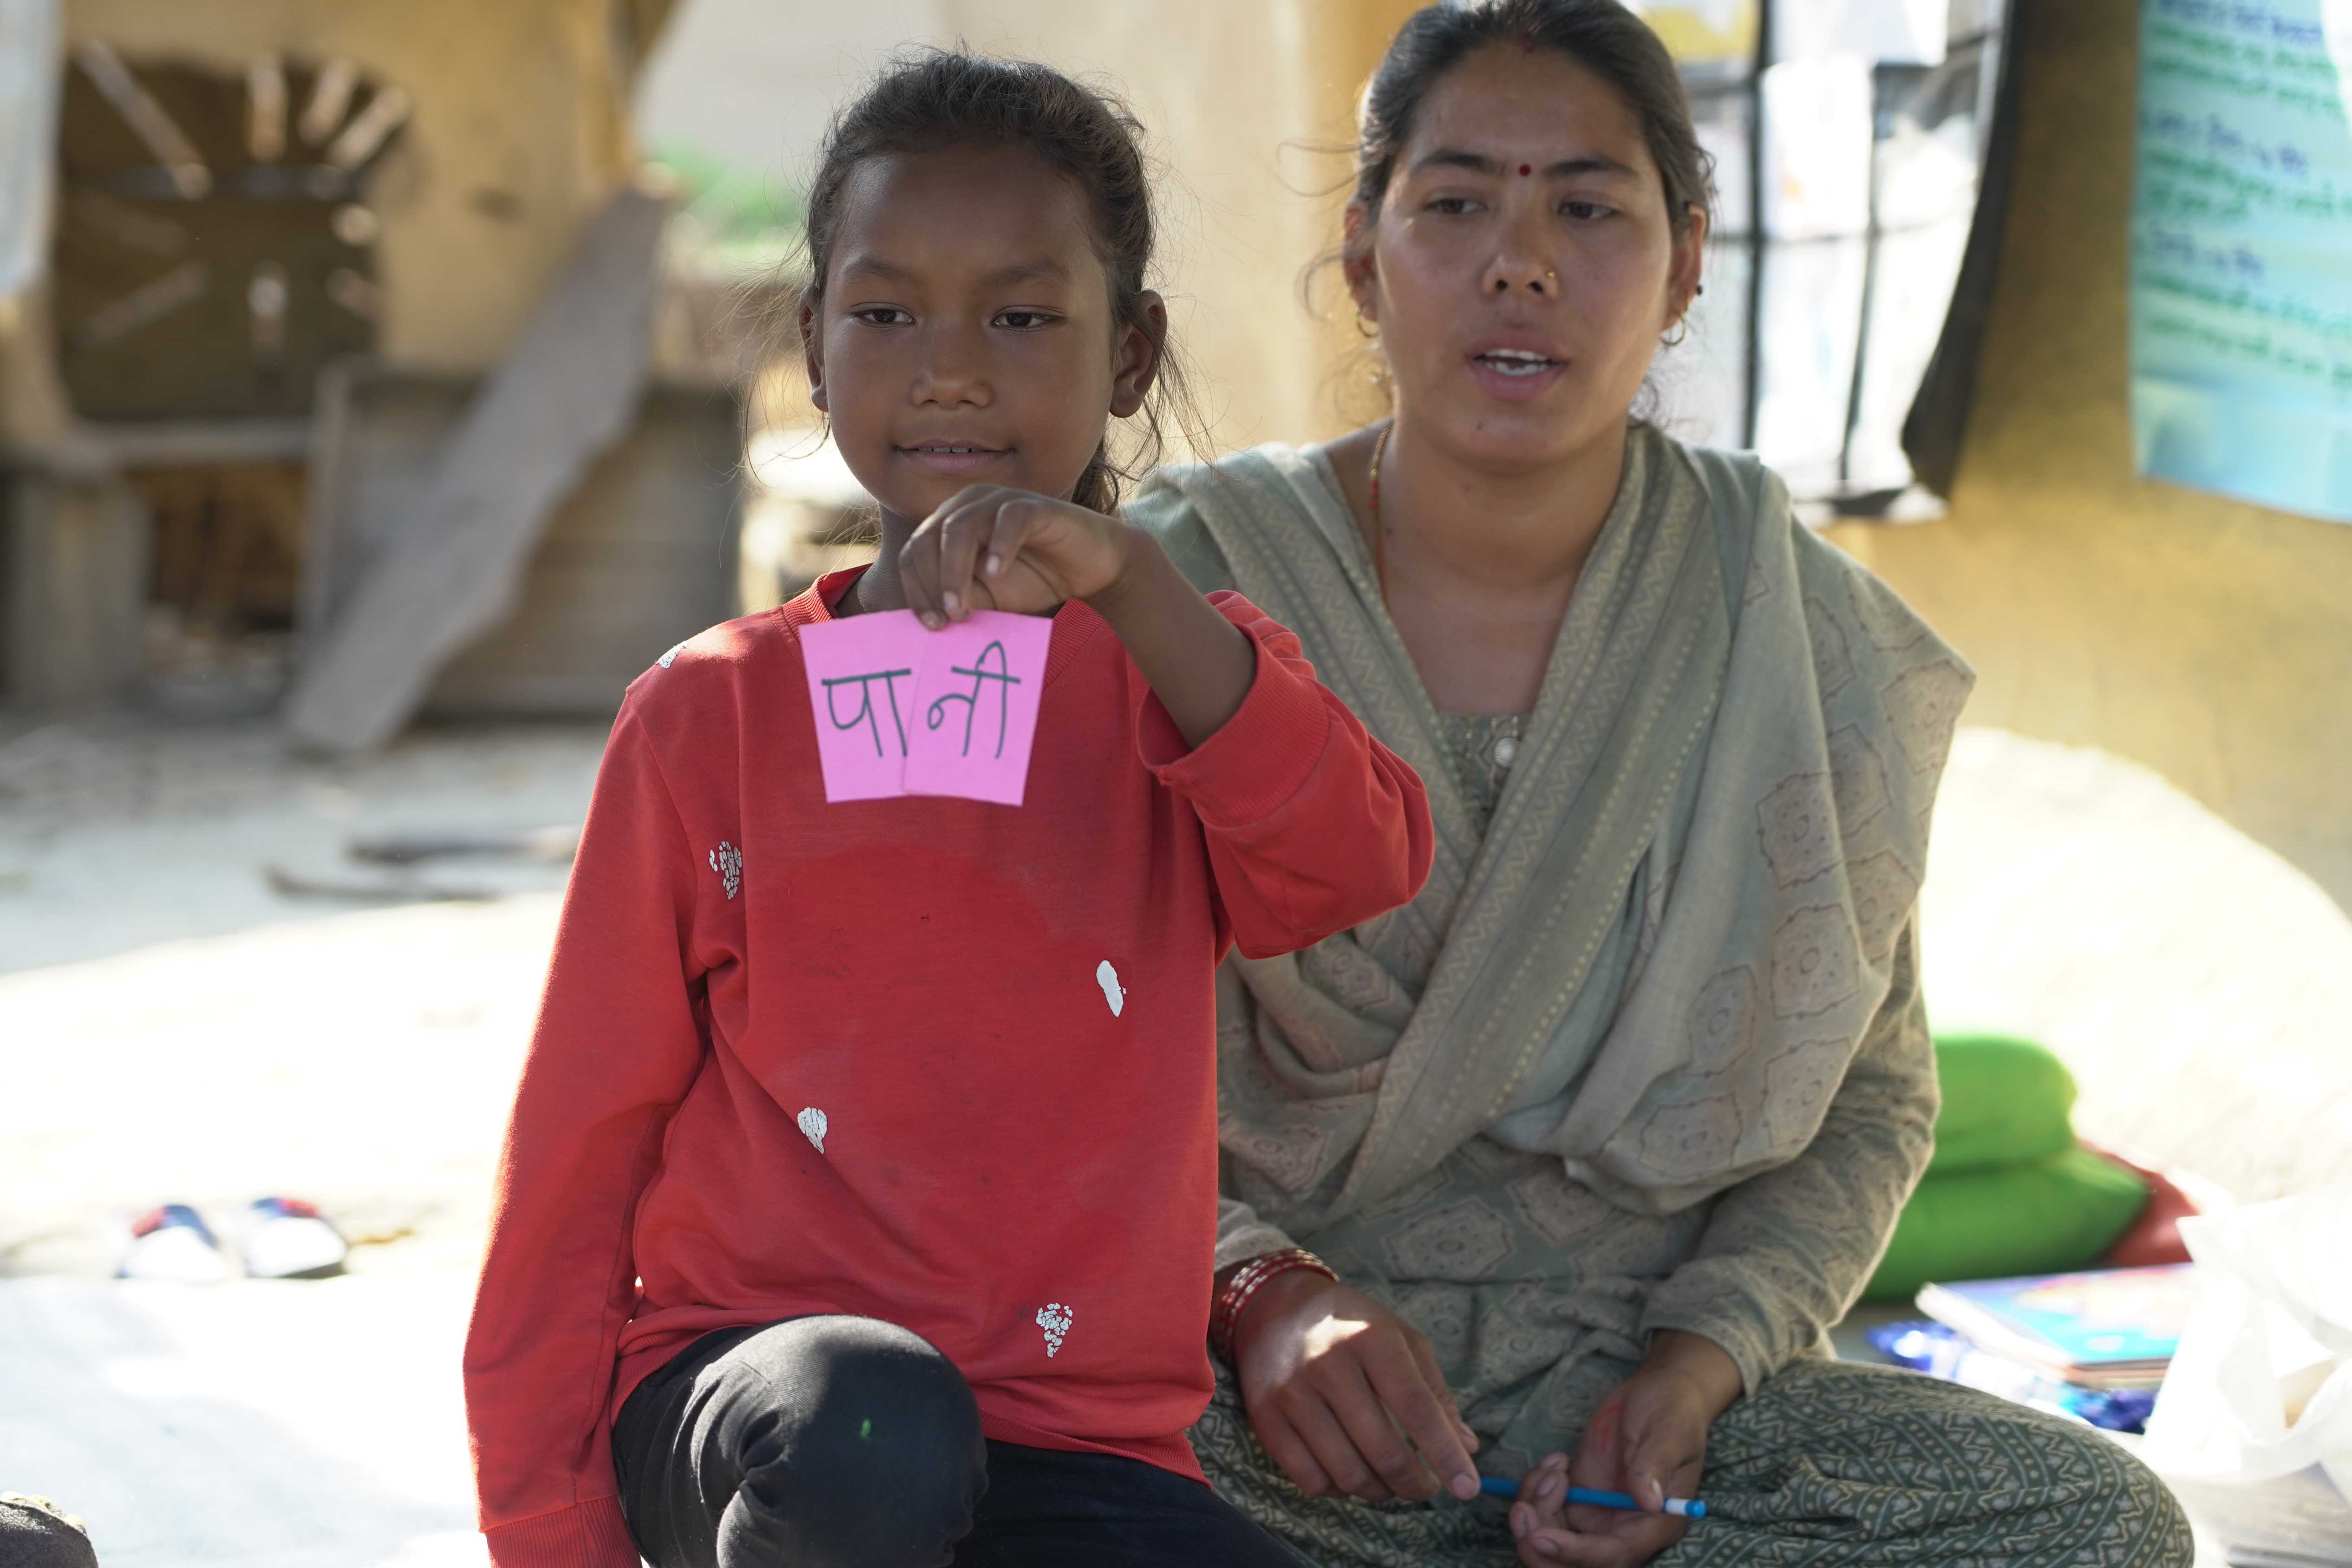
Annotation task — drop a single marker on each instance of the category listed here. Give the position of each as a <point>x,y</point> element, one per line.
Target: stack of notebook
<point>2091,1344</point>
<point>2111,1328</point>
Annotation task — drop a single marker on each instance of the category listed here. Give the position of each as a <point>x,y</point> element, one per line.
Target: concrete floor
<point>119,835</point>
<point>251,1424</point>
<point>170,1028</point>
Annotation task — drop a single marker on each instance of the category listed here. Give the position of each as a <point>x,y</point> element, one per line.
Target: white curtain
<point>28,124</point>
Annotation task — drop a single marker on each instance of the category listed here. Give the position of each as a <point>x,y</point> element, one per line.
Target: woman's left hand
<point>1648,1438</point>
<point>992,547</point>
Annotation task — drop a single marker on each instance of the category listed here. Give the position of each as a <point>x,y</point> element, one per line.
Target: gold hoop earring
<point>1681,334</point>
<point>1365,330</point>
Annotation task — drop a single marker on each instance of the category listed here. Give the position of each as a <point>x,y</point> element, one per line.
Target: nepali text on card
<point>900,710</point>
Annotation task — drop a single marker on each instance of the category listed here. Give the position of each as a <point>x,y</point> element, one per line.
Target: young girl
<point>859,1194</point>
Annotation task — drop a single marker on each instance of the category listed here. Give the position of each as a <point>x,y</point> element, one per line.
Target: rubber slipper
<point>172,1242</point>
<point>285,1239</point>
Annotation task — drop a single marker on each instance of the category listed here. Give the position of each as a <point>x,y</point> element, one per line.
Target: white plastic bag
<point>2254,1422</point>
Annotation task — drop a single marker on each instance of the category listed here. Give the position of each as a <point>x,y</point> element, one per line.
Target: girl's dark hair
<point>934,98</point>
<point>1599,35</point>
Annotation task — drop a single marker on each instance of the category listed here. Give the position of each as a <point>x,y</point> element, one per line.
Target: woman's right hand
<point>1334,1383</point>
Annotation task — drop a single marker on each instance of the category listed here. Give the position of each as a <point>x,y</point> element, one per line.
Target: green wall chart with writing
<point>2241,251</point>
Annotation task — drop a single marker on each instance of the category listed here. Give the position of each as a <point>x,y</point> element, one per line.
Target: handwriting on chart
<point>2241,231</point>
<point>903,711</point>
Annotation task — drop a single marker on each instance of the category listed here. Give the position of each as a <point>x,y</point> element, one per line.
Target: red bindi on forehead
<point>1527,169</point>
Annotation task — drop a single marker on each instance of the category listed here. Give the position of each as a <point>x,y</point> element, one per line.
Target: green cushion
<point>2041,1216</point>
<point>2005,1103</point>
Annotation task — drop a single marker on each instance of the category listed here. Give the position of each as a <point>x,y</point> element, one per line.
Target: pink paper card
<point>975,713</point>
<point>902,710</point>
<point>861,681</point>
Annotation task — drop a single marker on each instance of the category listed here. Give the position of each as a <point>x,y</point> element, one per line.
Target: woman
<point>1597,1136</point>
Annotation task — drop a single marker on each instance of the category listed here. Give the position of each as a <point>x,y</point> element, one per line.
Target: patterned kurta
<point>1649,1051</point>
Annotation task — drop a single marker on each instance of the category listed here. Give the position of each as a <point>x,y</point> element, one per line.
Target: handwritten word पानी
<point>902,710</point>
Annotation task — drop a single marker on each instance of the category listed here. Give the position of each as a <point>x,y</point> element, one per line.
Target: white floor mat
<point>263,1424</point>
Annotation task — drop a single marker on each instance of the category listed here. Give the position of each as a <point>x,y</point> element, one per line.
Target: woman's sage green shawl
<point>1694,897</point>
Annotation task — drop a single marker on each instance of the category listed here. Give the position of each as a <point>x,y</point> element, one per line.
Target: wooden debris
<point>450,572</point>
<point>146,118</point>
<point>392,890</point>
<point>558,844</point>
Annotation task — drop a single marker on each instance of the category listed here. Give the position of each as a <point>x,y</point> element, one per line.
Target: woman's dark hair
<point>933,98</point>
<point>1599,35</point>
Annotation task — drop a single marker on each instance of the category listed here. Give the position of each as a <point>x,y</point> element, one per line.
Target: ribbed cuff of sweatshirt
<point>591,1534</point>
<point>1259,760</point>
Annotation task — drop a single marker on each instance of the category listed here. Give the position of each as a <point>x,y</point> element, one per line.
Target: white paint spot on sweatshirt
<point>1108,978</point>
<point>1055,1318</point>
<point>812,1122</point>
<point>728,862</point>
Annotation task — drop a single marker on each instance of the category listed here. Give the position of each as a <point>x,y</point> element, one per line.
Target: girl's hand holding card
<point>992,547</point>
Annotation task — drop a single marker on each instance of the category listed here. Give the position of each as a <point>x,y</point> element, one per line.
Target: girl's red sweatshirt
<point>934,1060</point>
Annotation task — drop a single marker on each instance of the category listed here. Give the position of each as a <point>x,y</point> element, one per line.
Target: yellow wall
<point>1250,104</point>
<point>519,130</point>
<point>2210,639</point>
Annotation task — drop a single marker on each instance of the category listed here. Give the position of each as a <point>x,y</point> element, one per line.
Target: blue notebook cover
<point>2088,1319</point>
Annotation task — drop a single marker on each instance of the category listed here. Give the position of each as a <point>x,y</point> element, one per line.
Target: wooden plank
<point>194,443</point>
<point>638,557</point>
<point>75,581</point>
<point>451,572</point>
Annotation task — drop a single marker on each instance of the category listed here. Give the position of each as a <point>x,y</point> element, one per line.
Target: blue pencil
<point>1689,1507</point>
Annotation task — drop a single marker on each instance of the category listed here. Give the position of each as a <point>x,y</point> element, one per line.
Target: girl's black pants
<point>841,1441</point>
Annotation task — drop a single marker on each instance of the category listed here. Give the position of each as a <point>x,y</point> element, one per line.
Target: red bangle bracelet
<point>1247,1281</point>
